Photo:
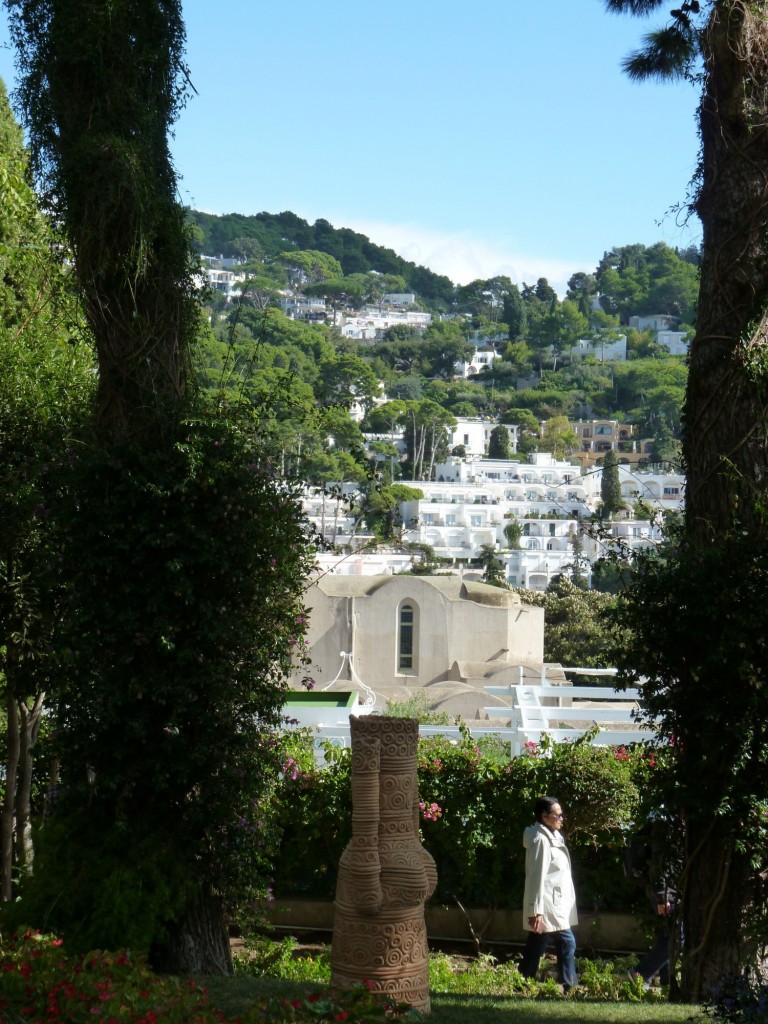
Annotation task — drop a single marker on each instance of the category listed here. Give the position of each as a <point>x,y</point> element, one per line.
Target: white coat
<point>548,884</point>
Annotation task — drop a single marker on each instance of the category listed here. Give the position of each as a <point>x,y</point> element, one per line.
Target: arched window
<point>407,626</point>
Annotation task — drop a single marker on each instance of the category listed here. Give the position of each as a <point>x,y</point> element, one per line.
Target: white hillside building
<point>474,434</point>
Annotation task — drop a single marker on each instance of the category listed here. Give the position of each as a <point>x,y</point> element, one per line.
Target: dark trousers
<point>656,960</point>
<point>565,948</point>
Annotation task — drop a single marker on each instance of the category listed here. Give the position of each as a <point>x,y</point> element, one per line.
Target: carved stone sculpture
<point>385,874</point>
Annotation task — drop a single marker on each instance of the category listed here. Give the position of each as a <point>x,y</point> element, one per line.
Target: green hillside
<point>275,233</point>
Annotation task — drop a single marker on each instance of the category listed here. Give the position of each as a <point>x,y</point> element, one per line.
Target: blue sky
<point>477,139</point>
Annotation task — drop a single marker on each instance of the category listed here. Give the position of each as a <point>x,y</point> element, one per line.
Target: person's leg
<point>656,959</point>
<point>535,947</point>
<point>565,947</point>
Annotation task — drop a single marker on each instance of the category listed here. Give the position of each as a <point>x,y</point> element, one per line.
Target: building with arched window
<point>397,634</point>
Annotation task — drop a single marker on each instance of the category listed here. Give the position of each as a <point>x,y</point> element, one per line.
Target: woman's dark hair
<point>544,805</point>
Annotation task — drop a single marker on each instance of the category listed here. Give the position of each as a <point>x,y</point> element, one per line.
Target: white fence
<point>565,711</point>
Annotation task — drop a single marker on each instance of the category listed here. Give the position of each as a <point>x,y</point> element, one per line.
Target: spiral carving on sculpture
<point>384,873</point>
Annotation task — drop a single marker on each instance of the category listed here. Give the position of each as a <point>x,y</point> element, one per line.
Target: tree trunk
<point>29,728</point>
<point>9,803</point>
<point>717,891</point>
<point>726,430</point>
<point>199,943</point>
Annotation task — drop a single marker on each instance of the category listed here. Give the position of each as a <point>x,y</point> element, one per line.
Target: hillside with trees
<point>266,235</point>
<point>549,366</point>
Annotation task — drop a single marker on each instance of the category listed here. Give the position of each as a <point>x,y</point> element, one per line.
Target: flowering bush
<point>431,812</point>
<point>39,982</point>
<point>475,800</point>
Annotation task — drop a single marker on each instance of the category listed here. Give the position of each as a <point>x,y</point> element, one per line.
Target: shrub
<point>40,982</point>
<point>742,1000</point>
<point>265,958</point>
<point>477,801</point>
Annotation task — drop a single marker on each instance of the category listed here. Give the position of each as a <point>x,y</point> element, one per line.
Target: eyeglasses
<point>560,816</point>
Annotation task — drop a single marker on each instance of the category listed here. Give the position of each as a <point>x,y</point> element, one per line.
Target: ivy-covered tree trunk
<point>698,616</point>
<point>726,428</point>
<point>726,443</point>
<point>103,82</point>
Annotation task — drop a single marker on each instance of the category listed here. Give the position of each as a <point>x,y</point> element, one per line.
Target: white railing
<point>566,711</point>
<point>562,711</point>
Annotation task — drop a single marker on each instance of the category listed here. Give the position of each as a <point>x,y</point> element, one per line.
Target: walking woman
<point>549,903</point>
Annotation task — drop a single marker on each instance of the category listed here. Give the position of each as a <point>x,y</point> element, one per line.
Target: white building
<point>303,307</point>
<point>398,635</point>
<point>370,323</point>
<point>664,492</point>
<point>547,500</point>
<point>540,467</point>
<point>654,322</point>
<point>474,435</point>
<point>604,349</point>
<point>333,513</point>
<point>675,342</point>
<point>457,517</point>
<point>482,360</point>
<point>227,282</point>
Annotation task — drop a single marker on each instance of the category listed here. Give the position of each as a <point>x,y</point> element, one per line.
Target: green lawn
<point>235,995</point>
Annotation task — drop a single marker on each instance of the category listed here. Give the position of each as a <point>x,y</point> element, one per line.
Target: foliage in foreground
<point>482,975</point>
<point>41,982</point>
<point>741,1000</point>
<point>710,696</point>
<point>170,701</point>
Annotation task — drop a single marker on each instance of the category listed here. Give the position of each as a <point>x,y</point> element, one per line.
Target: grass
<point>235,995</point>
<point>463,990</point>
<point>452,1009</point>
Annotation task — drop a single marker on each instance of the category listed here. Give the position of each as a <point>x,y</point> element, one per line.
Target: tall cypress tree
<point>610,486</point>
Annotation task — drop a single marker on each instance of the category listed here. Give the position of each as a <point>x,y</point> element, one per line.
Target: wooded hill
<point>630,279</point>
<point>303,377</point>
<point>229,235</point>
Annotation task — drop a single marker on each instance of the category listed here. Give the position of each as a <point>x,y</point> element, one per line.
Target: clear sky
<point>477,139</point>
